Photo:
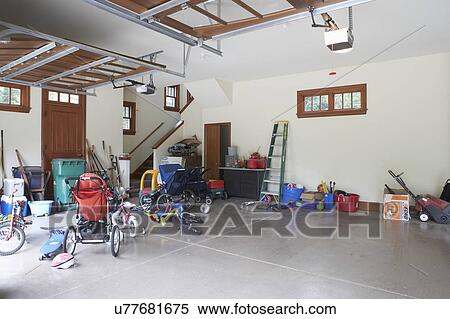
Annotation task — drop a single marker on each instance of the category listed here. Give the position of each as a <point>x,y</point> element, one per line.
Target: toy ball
<point>63,261</point>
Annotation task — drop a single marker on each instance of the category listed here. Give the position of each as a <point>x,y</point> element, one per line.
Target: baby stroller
<point>175,188</point>
<point>94,226</point>
<point>198,187</point>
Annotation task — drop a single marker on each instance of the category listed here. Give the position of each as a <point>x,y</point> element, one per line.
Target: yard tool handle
<point>402,183</point>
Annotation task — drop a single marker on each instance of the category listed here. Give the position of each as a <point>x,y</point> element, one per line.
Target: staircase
<point>146,165</point>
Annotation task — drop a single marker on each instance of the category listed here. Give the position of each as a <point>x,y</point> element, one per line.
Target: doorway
<point>63,128</point>
<point>217,141</point>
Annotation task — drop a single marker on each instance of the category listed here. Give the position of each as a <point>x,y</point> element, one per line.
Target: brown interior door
<point>217,140</point>
<point>63,128</point>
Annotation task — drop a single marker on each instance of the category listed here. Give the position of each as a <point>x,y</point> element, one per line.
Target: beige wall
<point>149,114</point>
<point>406,127</point>
<point>23,131</point>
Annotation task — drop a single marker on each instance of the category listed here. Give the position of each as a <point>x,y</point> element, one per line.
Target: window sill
<point>14,108</point>
<point>172,109</point>
<point>331,113</point>
<point>129,132</point>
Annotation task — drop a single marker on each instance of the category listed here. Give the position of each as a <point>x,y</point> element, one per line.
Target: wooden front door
<point>217,140</point>
<point>63,127</point>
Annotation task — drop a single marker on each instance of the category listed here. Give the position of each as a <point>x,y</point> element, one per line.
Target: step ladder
<point>275,166</point>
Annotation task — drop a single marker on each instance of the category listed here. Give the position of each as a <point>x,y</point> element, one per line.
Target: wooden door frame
<point>44,101</point>
<point>205,151</point>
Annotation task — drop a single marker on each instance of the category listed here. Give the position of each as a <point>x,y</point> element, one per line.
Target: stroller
<point>198,187</point>
<point>94,226</point>
<point>175,181</point>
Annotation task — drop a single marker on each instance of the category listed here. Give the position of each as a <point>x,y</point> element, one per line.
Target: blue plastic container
<point>291,193</point>
<point>7,206</point>
<point>328,201</point>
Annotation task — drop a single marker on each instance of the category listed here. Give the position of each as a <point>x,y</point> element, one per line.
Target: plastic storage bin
<point>62,169</point>
<point>347,203</point>
<point>40,207</point>
<point>7,205</point>
<point>291,192</point>
<point>35,175</point>
<point>13,186</point>
<point>216,183</point>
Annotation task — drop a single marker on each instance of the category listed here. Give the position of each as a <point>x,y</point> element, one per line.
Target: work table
<point>242,182</point>
<point>242,169</point>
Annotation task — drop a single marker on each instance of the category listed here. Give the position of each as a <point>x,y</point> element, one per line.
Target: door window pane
<point>64,97</point>
<point>74,99</point>
<point>356,96</point>
<point>4,95</point>
<point>308,104</point>
<point>53,96</point>
<point>347,100</point>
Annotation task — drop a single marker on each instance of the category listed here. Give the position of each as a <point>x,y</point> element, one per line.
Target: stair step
<point>271,181</point>
<point>269,193</point>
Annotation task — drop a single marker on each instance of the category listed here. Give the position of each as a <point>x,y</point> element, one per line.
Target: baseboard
<point>370,206</point>
<point>374,206</point>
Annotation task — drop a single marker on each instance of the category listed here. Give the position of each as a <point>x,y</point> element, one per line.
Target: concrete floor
<point>410,260</point>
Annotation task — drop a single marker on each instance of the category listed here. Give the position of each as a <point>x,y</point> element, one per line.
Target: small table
<point>242,182</point>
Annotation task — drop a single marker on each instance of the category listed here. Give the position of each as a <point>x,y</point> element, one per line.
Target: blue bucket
<point>328,201</point>
<point>291,193</point>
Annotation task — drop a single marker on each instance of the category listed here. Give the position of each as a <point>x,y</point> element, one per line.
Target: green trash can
<point>63,168</point>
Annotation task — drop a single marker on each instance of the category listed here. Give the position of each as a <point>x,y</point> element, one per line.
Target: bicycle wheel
<point>115,241</point>
<point>70,240</point>
<point>188,200</point>
<point>11,240</point>
<point>133,226</point>
<point>163,201</point>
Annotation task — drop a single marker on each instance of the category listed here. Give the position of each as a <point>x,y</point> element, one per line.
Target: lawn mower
<point>426,205</point>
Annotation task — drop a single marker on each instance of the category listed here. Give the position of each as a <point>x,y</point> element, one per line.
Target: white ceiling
<point>286,49</point>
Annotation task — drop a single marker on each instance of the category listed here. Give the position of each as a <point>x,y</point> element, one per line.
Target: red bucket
<point>347,203</point>
<point>252,163</point>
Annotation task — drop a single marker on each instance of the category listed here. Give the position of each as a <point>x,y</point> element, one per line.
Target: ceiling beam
<point>56,88</point>
<point>28,56</point>
<point>162,7</point>
<point>209,15</point>
<point>42,62</point>
<point>85,47</point>
<point>178,8</point>
<point>235,28</point>
<point>245,6</point>
<point>73,71</point>
<point>300,4</point>
<point>157,27</point>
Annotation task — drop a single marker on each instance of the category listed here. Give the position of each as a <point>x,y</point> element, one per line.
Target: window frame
<point>331,92</point>
<point>24,106</point>
<point>132,129</point>
<point>177,98</point>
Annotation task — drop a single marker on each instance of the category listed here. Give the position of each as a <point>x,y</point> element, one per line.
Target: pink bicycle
<point>12,234</point>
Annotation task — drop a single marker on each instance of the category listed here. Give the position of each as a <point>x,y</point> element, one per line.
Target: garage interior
<point>275,149</point>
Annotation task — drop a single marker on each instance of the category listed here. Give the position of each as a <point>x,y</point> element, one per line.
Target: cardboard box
<point>396,207</point>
